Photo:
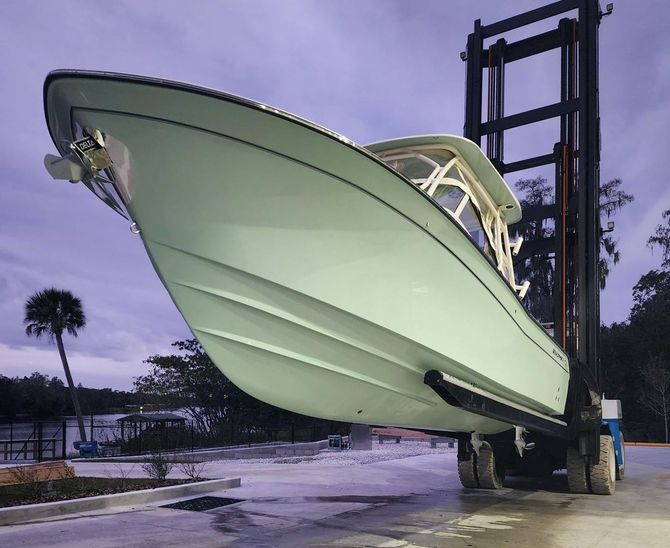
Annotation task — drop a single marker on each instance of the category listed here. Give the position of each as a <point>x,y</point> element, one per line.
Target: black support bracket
<point>486,405</point>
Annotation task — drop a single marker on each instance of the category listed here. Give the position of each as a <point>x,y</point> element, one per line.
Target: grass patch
<point>77,487</point>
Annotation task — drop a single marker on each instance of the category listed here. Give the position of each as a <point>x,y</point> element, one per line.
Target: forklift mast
<point>574,247</point>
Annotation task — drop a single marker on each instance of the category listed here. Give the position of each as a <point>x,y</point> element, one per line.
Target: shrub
<point>192,469</point>
<point>31,483</point>
<point>157,467</point>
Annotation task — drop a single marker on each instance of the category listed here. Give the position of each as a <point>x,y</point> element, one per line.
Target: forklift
<point>588,441</point>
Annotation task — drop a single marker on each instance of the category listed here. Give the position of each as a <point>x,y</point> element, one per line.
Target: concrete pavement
<point>143,497</point>
<point>411,502</point>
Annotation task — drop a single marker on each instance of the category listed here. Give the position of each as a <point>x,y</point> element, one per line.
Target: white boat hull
<point>316,278</point>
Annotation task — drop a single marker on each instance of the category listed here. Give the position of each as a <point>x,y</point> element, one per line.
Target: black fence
<point>114,440</point>
<point>36,441</point>
<point>54,440</point>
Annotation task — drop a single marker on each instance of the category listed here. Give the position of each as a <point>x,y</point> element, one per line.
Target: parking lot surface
<point>352,501</point>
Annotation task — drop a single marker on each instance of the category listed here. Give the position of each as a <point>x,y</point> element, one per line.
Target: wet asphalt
<point>412,502</point>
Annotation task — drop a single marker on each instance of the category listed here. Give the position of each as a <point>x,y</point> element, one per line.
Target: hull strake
<point>254,240</point>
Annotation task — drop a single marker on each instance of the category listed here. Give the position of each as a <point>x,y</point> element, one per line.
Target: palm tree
<point>50,312</point>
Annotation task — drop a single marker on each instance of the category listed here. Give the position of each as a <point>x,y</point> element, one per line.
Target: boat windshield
<point>420,166</point>
<point>473,225</point>
<point>444,176</point>
<point>436,171</point>
<point>449,196</point>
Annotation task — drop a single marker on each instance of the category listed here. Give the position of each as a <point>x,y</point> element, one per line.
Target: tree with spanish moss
<point>52,312</point>
<point>635,352</point>
<point>612,199</point>
<point>538,269</point>
<point>661,239</point>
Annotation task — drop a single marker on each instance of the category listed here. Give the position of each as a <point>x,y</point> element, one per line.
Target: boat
<point>371,285</point>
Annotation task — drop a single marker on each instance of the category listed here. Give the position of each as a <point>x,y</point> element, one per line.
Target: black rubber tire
<point>621,469</point>
<point>577,472</point>
<point>490,476</point>
<point>467,472</point>
<point>603,474</point>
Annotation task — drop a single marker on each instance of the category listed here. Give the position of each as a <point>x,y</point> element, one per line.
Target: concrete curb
<point>31,512</point>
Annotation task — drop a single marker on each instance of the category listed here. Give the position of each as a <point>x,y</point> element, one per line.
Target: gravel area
<point>379,453</point>
<point>388,451</point>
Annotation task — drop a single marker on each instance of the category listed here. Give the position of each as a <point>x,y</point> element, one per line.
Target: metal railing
<point>51,440</point>
<point>37,441</point>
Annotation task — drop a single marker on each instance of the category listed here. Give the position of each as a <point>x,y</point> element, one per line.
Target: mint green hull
<point>315,277</point>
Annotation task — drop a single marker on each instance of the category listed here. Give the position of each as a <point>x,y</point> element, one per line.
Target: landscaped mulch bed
<point>75,488</point>
<point>202,504</point>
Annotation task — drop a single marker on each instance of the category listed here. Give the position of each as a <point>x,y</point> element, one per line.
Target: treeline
<point>41,397</point>
<point>219,410</point>
<point>635,354</point>
<point>635,358</point>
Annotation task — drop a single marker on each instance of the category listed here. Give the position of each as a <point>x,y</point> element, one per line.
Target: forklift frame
<point>575,245</point>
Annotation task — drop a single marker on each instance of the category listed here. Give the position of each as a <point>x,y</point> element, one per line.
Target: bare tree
<point>192,469</point>
<point>655,394</point>
<point>120,472</point>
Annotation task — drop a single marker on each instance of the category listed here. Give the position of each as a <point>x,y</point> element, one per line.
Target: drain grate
<point>202,504</point>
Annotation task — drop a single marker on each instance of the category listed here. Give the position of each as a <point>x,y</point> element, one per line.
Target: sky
<point>371,70</point>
